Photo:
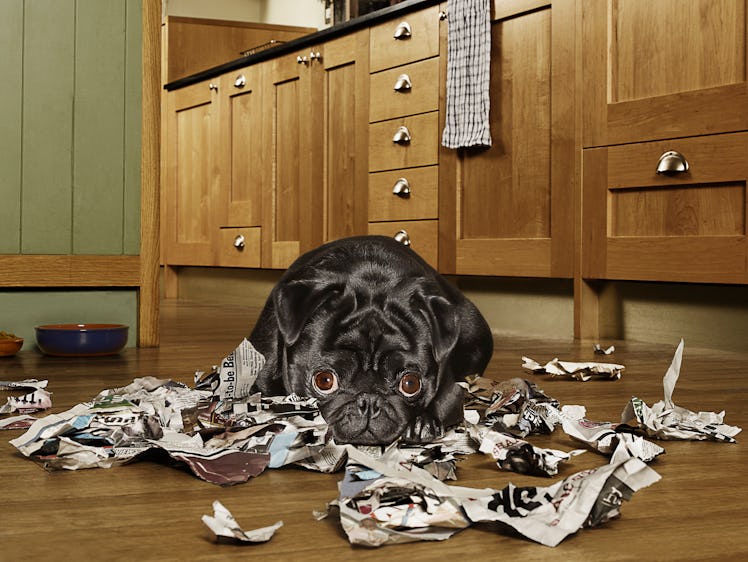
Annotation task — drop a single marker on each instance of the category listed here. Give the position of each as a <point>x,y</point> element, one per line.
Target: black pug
<point>377,336</point>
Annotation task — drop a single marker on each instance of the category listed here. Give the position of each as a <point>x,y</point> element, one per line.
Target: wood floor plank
<point>151,511</point>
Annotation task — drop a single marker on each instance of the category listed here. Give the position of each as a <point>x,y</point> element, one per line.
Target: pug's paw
<point>423,429</point>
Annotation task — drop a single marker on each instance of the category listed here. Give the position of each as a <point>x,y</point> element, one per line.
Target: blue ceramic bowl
<point>81,340</point>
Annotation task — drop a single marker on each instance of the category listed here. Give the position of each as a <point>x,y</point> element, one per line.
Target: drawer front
<point>421,150</point>
<point>239,247</point>
<point>417,194</point>
<point>386,51</point>
<point>423,236</point>
<point>685,225</point>
<point>404,90</point>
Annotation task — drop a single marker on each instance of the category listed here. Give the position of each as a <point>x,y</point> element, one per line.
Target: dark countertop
<point>311,39</point>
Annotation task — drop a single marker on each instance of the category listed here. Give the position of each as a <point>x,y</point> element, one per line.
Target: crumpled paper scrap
<point>517,455</point>
<point>23,421</point>
<point>582,371</point>
<point>390,505</point>
<point>665,420</point>
<point>34,401</point>
<point>223,524</point>
<point>606,437</point>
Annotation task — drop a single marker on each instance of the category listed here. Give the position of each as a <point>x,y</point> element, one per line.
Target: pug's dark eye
<point>410,384</point>
<point>325,382</point>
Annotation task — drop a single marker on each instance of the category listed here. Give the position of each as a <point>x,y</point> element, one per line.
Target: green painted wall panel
<point>98,140</point>
<point>48,85</point>
<point>21,310</point>
<point>133,126</point>
<point>11,69</point>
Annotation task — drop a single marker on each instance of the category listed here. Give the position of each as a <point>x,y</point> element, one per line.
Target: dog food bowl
<point>81,340</point>
<point>10,344</point>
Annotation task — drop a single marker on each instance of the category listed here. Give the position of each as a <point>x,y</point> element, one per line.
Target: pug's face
<point>372,361</point>
<point>371,374</point>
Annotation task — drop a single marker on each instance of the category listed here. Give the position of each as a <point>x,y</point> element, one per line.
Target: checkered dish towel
<point>468,66</point>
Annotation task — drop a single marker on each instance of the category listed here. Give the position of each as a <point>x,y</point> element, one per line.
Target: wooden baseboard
<point>20,270</point>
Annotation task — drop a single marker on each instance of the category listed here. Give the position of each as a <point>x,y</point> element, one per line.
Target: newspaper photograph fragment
<point>224,526</point>
<point>666,420</point>
<point>381,504</point>
<point>516,406</point>
<point>581,371</point>
<point>517,455</point>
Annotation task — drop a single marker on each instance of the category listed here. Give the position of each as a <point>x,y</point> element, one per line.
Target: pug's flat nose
<point>368,406</point>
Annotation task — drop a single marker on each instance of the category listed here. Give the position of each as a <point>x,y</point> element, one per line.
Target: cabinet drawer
<point>418,196</point>
<point>239,247</point>
<point>423,236</point>
<point>423,42</point>
<point>404,90</point>
<point>682,226</point>
<point>422,148</point>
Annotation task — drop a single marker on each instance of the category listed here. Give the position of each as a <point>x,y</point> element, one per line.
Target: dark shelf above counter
<point>323,35</point>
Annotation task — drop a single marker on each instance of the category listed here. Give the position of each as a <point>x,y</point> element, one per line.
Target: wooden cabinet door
<point>192,175</point>
<point>664,69</point>
<point>508,209</point>
<point>293,201</point>
<point>245,135</point>
<point>346,105</point>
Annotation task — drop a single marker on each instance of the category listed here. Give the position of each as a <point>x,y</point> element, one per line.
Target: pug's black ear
<point>443,319</point>
<point>295,302</point>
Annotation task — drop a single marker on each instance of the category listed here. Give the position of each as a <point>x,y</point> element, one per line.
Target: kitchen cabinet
<point>664,118</point>
<point>508,209</point>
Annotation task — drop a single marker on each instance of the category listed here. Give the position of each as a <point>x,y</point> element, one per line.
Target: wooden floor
<point>147,511</point>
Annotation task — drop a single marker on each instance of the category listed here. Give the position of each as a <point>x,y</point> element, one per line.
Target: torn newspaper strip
<point>381,504</point>
<point>517,455</point>
<point>223,525</point>
<point>582,371</point>
<point>665,420</point>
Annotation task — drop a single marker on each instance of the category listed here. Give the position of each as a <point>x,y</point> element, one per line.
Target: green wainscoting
<point>21,310</point>
<point>70,123</point>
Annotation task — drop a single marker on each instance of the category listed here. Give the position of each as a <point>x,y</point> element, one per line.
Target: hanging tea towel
<point>468,66</point>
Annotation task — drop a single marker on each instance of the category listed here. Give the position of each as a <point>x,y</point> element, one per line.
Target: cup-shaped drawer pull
<point>402,135</point>
<point>402,84</point>
<point>403,31</point>
<point>239,242</point>
<point>401,188</point>
<point>240,81</point>
<point>402,237</point>
<point>672,162</point>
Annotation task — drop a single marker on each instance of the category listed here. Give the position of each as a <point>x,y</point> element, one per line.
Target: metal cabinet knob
<point>302,60</point>
<point>402,135</point>
<point>315,55</point>
<point>402,84</point>
<point>401,188</point>
<point>239,242</point>
<point>240,81</point>
<point>213,86</point>
<point>672,162</point>
<point>442,15</point>
<point>403,31</point>
<point>402,237</point>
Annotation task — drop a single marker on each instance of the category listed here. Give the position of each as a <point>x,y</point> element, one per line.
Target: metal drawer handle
<point>401,188</point>
<point>213,86</point>
<point>402,237</point>
<point>672,162</point>
<point>402,135</point>
<point>403,31</point>
<point>402,84</point>
<point>239,242</point>
<point>302,60</point>
<point>315,55</point>
<point>240,81</point>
